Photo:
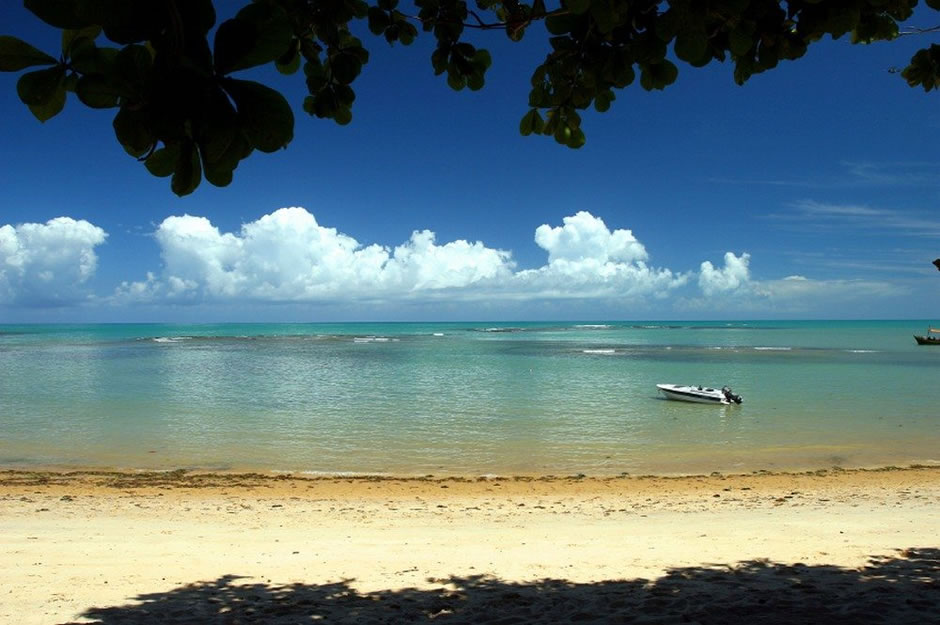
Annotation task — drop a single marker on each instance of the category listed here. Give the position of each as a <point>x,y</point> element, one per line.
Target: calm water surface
<point>467,398</point>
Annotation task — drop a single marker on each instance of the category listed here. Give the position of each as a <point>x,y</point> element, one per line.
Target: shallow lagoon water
<point>468,398</point>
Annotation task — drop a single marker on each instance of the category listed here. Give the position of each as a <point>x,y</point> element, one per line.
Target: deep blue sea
<point>468,398</point>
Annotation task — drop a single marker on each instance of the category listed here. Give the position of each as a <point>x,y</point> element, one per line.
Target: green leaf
<point>378,20</point>
<point>743,69</point>
<point>573,119</point>
<point>325,104</point>
<point>875,28</point>
<point>234,44</point>
<point>133,133</point>
<point>219,130</point>
<point>464,49</point>
<point>842,20</point>
<point>658,75</point>
<point>482,60</point>
<point>60,13</point>
<point>603,100</point>
<point>51,108</point>
<point>342,116</point>
<point>259,34</point>
<point>289,62</point>
<point>649,49</point>
<point>345,68</point>
<point>578,6</point>
<point>740,41</point>
<point>220,157</point>
<point>577,139</point>
<point>16,54</point>
<point>551,124</point>
<point>668,73</point>
<point>691,46</point>
<point>792,48</point>
<point>439,61</point>
<point>197,15</point>
<point>358,9</point>
<point>604,14</point>
<point>131,22</point>
<point>767,56</point>
<point>538,96</point>
<point>406,33</point>
<point>38,87</point>
<point>89,59</point>
<point>353,46</point>
<point>132,68</point>
<point>96,91</point>
<point>188,172</point>
<point>162,162</point>
<point>618,69</point>
<point>456,81</point>
<point>310,105</point>
<point>667,25</point>
<point>561,24</point>
<point>581,96</point>
<point>317,78</point>
<point>43,91</point>
<point>69,37</point>
<point>310,50</point>
<point>218,176</point>
<point>264,115</point>
<point>345,96</point>
<point>531,123</point>
<point>924,69</point>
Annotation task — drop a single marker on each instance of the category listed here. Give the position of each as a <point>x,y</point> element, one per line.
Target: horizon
<point>574,322</point>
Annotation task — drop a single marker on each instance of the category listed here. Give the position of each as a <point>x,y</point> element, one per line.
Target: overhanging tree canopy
<point>184,113</point>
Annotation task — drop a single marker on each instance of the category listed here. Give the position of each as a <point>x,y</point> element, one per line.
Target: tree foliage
<point>171,73</point>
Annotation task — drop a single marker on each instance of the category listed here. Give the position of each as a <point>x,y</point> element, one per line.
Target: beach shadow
<point>890,590</point>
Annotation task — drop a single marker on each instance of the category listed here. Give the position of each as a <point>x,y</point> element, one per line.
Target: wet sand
<point>830,546</point>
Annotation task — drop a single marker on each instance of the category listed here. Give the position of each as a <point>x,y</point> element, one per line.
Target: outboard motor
<point>731,396</point>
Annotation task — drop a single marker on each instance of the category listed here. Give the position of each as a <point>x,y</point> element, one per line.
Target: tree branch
<point>919,31</point>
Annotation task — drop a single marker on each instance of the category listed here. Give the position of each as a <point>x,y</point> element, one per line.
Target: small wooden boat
<point>931,338</point>
<point>699,394</point>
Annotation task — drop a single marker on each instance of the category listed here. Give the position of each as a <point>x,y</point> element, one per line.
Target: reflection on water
<point>465,398</point>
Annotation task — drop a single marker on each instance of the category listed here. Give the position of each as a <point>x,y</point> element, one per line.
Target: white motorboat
<point>699,394</point>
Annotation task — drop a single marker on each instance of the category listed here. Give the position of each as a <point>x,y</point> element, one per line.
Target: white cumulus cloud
<point>287,256</point>
<point>734,276</point>
<point>47,264</point>
<point>793,296</point>
<point>584,237</point>
<point>588,260</point>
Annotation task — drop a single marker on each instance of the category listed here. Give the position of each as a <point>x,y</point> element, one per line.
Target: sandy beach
<point>833,546</point>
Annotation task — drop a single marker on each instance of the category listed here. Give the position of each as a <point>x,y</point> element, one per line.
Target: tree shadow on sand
<point>899,589</point>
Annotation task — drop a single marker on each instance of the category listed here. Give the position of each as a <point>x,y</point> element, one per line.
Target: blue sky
<point>810,192</point>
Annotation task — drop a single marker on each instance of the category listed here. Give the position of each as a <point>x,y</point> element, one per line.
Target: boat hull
<point>927,340</point>
<point>693,394</point>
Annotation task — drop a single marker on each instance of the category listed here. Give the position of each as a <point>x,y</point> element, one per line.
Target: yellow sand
<point>831,546</point>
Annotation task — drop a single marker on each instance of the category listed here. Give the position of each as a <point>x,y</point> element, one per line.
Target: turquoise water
<point>467,398</point>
